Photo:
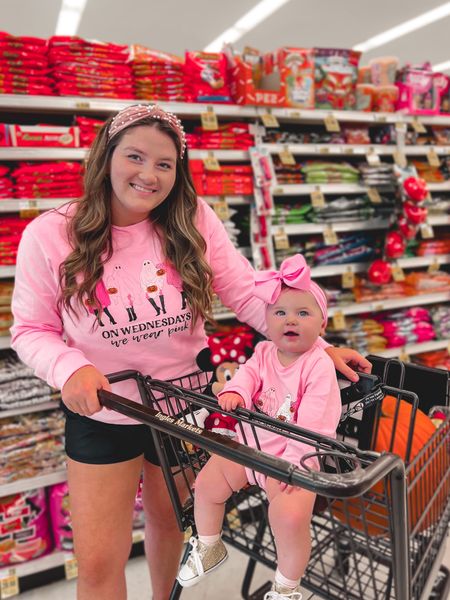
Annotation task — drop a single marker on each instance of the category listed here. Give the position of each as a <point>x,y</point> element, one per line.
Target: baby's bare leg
<point>218,479</point>
<point>290,518</point>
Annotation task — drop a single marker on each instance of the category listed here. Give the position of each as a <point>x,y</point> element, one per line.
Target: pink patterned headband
<point>135,113</point>
<point>295,273</point>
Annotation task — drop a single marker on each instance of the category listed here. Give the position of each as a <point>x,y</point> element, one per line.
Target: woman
<point>139,209</point>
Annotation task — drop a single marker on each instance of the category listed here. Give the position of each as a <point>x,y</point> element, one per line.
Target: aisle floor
<point>223,585</point>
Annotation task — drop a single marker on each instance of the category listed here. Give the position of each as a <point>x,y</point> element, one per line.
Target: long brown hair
<point>89,230</point>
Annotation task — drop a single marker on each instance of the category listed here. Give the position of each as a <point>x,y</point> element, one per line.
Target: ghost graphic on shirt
<point>267,402</point>
<point>284,413</point>
<point>123,290</point>
<point>152,281</point>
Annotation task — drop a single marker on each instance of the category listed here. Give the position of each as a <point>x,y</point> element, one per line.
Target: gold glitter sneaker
<point>279,592</point>
<point>201,561</point>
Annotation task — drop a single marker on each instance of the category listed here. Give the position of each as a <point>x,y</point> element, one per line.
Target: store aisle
<point>224,585</point>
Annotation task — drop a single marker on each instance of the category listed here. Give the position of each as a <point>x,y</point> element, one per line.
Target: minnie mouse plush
<point>223,356</point>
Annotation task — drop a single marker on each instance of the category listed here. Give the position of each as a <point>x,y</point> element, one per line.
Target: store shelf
<point>317,116</point>
<point>31,483</point>
<point>44,563</point>
<point>379,305</point>
<point>414,348</point>
<point>332,149</point>
<point>222,155</point>
<point>32,153</point>
<point>231,200</point>
<point>5,342</point>
<point>439,187</point>
<point>80,104</point>
<point>310,228</point>
<point>405,263</point>
<point>53,560</point>
<point>52,404</point>
<point>439,220</point>
<point>16,205</point>
<point>8,271</point>
<point>421,150</point>
<point>305,189</point>
<point>423,261</point>
<point>222,316</point>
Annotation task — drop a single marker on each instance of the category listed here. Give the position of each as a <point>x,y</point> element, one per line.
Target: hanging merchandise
<point>413,192</point>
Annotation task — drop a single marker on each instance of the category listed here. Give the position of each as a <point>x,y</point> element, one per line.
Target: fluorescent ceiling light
<point>445,66</point>
<point>249,21</point>
<point>69,17</point>
<point>404,28</point>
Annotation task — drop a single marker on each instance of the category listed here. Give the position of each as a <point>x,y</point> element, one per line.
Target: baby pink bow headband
<point>131,115</point>
<point>295,273</point>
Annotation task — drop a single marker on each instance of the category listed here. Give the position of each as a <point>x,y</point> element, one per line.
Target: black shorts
<point>96,443</point>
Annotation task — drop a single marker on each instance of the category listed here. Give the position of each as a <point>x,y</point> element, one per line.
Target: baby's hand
<point>230,401</point>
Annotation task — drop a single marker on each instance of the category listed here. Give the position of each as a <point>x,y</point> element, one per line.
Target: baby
<point>291,378</point>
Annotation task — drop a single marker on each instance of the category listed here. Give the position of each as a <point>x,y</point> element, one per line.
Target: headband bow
<point>294,273</point>
<point>131,115</point>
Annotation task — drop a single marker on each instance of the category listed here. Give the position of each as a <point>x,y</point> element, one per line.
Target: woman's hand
<point>230,401</point>
<point>346,359</point>
<point>79,393</point>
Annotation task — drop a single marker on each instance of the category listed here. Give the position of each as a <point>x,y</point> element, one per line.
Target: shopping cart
<point>379,524</point>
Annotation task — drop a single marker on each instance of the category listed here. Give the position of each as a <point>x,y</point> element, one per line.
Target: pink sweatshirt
<point>148,326</point>
<point>305,393</point>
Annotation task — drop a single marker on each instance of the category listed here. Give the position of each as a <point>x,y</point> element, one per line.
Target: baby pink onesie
<point>305,393</point>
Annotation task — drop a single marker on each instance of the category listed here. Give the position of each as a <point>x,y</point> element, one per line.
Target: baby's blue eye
<point>279,313</point>
<point>303,313</point>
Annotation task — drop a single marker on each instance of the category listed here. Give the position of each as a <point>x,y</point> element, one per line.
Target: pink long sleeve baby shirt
<point>145,326</point>
<point>305,393</point>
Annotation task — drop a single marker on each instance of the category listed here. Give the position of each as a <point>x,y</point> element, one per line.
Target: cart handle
<point>333,485</point>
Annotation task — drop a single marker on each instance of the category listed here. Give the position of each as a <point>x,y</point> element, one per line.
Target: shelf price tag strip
<point>332,124</point>
<point>9,585</point>
<point>372,157</point>
<point>211,163</point>
<point>348,279</point>
<point>433,158</point>
<point>209,119</point>
<point>317,198</point>
<point>397,273</point>
<point>71,567</point>
<point>339,322</point>
<point>286,157</point>
<point>426,231</point>
<point>374,195</point>
<point>330,237</point>
<point>281,239</point>
<point>269,120</point>
<point>222,209</point>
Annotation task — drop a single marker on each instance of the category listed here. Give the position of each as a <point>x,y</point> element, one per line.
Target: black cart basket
<point>380,521</point>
